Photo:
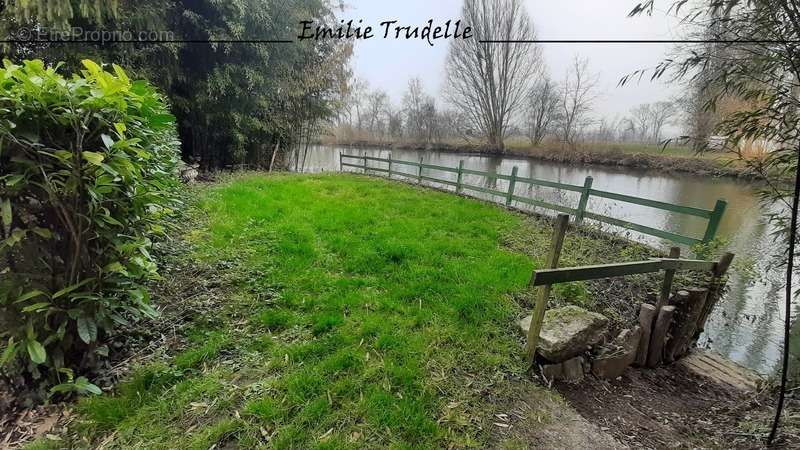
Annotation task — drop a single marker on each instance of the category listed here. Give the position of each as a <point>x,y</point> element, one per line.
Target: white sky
<point>389,64</point>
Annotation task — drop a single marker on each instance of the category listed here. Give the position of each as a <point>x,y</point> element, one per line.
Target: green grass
<point>366,314</point>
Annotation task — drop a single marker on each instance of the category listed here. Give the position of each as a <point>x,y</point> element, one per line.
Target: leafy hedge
<point>87,177</point>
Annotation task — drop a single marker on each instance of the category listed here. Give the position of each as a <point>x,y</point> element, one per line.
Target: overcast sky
<point>389,64</point>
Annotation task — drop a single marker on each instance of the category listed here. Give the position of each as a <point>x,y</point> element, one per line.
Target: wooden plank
<point>377,169</point>
<point>353,157</point>
<point>669,274</point>
<point>692,211</point>
<point>442,168</point>
<point>551,184</point>
<point>357,166</point>
<point>659,336</point>
<point>585,193</point>
<point>647,314</point>
<point>567,274</point>
<point>713,366</point>
<point>697,265</point>
<point>512,184</point>
<point>715,220</point>
<point>546,205</point>
<point>460,176</point>
<point>643,229</point>
<point>484,190</point>
<point>436,180</point>
<point>375,158</point>
<point>487,174</point>
<point>405,163</point>
<point>556,243</point>
<point>715,289</point>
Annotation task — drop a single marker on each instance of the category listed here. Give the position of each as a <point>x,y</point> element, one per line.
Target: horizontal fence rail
<point>584,273</point>
<point>579,212</point>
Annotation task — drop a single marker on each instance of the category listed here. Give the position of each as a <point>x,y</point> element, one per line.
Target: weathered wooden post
<point>460,176</point>
<point>585,193</point>
<point>365,162</point>
<point>659,335</point>
<point>419,172</point>
<point>647,313</point>
<point>714,291</point>
<point>341,167</point>
<point>683,331</point>
<point>512,185</point>
<point>556,243</point>
<point>390,164</point>
<point>669,275</point>
<point>714,221</point>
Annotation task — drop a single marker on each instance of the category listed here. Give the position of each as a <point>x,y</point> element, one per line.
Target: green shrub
<point>87,177</point>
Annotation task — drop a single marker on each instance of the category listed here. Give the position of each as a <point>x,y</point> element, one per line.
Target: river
<point>747,323</point>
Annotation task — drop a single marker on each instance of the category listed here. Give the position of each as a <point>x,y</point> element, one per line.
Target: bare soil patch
<point>671,407</point>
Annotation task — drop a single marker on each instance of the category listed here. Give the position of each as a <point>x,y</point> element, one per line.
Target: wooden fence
<point>713,216</point>
<point>664,338</point>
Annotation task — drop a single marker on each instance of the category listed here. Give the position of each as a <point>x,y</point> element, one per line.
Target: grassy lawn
<point>363,313</point>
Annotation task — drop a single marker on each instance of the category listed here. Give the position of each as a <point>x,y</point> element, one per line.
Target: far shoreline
<point>607,158</point>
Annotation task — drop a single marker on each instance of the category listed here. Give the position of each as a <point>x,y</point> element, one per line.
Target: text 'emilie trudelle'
<point>390,30</point>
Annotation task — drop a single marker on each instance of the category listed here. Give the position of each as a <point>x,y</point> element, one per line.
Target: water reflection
<point>747,324</point>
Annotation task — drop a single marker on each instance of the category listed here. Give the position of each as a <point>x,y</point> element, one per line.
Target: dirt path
<point>673,408</point>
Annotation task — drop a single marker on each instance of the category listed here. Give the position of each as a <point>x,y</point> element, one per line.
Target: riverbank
<point>651,158</point>
<point>342,311</point>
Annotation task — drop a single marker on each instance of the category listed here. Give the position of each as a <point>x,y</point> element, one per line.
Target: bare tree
<point>395,123</point>
<point>542,109</point>
<point>577,98</point>
<point>414,101</point>
<point>377,103</point>
<point>660,114</point>
<point>489,81</point>
<point>641,120</point>
<point>429,119</point>
<point>358,94</point>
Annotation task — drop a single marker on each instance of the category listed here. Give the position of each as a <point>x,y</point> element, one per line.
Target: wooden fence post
<point>659,336</point>
<point>587,187</point>
<point>512,185</point>
<point>365,162</point>
<point>460,176</point>
<point>539,309</point>
<point>714,291</point>
<point>669,275</point>
<point>647,314</point>
<point>714,220</point>
<point>419,172</point>
<point>390,164</point>
<point>341,167</point>
<point>683,331</point>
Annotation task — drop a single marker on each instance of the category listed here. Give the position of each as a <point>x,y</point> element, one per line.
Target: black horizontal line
<point>633,41</point>
<point>483,41</point>
<point>147,41</point>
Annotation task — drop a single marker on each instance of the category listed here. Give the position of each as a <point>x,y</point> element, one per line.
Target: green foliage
<point>708,250</point>
<point>233,101</point>
<point>87,179</point>
<point>80,386</point>
<point>572,293</point>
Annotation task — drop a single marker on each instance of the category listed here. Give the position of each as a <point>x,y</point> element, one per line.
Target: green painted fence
<point>713,216</point>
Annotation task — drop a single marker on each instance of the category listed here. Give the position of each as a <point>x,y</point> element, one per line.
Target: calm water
<point>746,325</point>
